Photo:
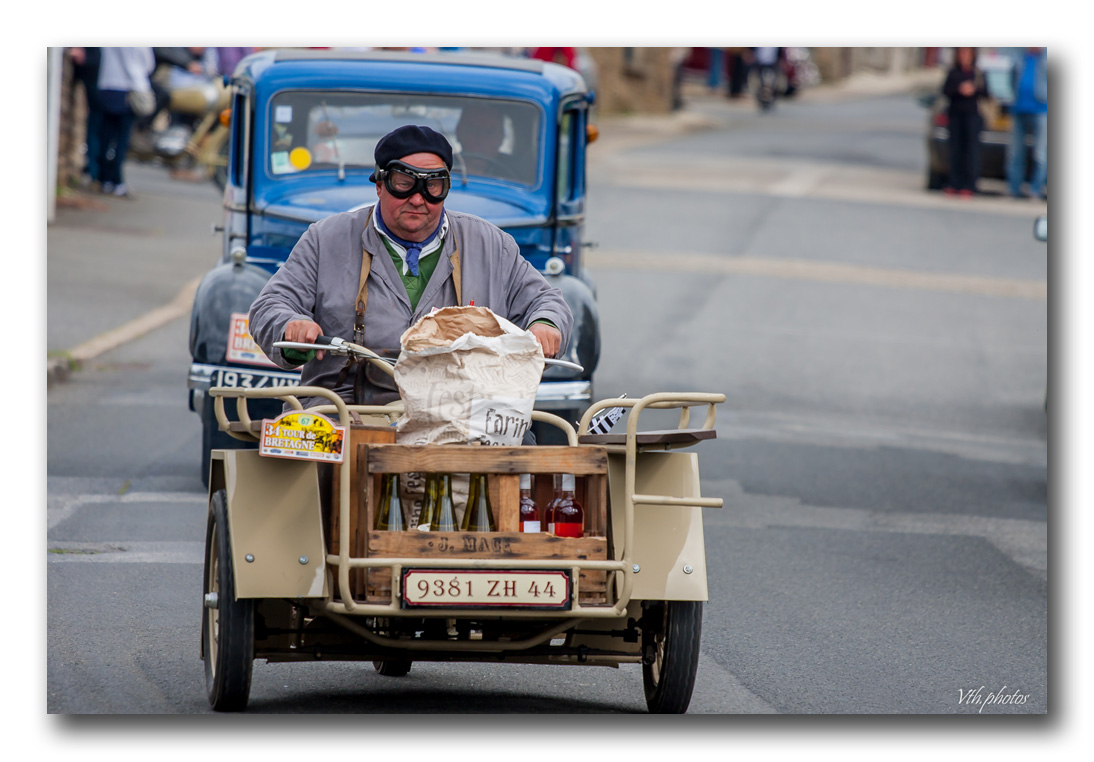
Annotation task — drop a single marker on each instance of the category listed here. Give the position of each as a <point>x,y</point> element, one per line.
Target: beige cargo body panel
<point>668,539</point>
<point>274,518</point>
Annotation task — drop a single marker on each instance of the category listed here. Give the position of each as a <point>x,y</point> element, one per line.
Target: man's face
<point>411,218</point>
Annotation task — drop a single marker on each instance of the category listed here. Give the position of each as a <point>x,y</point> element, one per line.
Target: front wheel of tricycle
<point>670,645</point>
<point>227,627</point>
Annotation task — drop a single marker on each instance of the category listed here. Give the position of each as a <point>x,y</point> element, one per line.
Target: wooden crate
<point>504,465</point>
<point>359,435</point>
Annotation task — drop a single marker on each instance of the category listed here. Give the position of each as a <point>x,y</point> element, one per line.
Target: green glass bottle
<point>478,516</point>
<point>444,516</point>
<point>472,493</point>
<point>429,501</point>
<point>390,516</point>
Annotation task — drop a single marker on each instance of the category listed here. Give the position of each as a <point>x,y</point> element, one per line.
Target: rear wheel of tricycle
<point>227,627</point>
<point>392,667</point>
<point>670,644</point>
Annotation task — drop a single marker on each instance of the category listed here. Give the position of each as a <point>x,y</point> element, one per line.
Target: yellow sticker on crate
<point>300,435</point>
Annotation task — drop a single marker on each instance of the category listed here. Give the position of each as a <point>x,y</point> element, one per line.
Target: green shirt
<point>415,284</point>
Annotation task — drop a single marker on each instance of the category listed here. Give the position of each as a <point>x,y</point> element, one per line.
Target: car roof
<point>489,65</point>
<point>495,60</point>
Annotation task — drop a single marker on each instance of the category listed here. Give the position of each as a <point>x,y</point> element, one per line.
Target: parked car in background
<point>994,138</point>
<point>304,127</point>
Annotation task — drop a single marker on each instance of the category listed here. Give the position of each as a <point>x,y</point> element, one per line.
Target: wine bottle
<point>444,516</point>
<point>389,518</point>
<point>530,518</point>
<point>429,501</point>
<point>478,516</point>
<point>567,515</point>
<point>549,511</point>
<point>472,495</point>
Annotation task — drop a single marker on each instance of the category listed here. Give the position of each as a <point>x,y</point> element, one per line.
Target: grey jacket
<point>321,277</point>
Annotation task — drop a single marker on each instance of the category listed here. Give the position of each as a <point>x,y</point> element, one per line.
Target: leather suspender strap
<point>362,290</point>
<point>455,259</point>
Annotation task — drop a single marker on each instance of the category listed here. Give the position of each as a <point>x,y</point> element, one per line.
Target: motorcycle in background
<point>799,71</point>
<point>190,132</point>
<point>766,80</point>
<point>765,75</point>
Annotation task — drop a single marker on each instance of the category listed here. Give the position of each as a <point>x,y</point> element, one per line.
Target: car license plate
<point>250,380</point>
<point>482,588</point>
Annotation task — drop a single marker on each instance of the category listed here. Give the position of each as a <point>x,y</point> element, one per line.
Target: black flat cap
<point>408,139</point>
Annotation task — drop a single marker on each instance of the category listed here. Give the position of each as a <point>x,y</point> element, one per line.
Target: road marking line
<point>1023,541</point>
<point>59,509</point>
<point>177,307</point>
<point>829,272</point>
<point>800,183</point>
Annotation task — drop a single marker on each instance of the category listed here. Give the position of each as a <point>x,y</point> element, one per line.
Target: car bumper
<point>551,396</point>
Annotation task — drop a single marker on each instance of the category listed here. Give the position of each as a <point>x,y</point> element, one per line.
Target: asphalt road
<point>882,452</point>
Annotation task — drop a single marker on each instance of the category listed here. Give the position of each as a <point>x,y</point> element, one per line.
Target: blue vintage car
<point>303,128</point>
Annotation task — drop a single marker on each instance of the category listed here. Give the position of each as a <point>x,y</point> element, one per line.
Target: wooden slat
<point>505,497</point>
<point>426,545</point>
<point>496,460</point>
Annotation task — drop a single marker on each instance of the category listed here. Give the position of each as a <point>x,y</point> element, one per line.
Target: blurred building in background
<point>641,80</point>
<point>634,80</point>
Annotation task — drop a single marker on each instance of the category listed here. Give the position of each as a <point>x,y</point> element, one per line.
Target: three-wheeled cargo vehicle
<point>304,125</point>
<point>300,564</point>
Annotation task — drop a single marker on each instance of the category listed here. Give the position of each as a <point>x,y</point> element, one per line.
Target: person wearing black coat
<point>964,87</point>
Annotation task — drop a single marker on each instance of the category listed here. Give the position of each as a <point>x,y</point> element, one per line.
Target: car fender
<point>584,345</point>
<point>226,289</point>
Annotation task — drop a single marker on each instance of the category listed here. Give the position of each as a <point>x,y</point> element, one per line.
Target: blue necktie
<point>413,251</point>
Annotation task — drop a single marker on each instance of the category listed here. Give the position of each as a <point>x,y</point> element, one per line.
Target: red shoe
<point>966,193</point>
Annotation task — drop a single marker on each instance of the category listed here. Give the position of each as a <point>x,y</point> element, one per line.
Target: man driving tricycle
<point>294,575</point>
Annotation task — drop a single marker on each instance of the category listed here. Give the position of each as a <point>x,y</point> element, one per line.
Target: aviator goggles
<point>403,180</point>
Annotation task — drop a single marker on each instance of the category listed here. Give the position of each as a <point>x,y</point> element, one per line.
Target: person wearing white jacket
<point>124,91</point>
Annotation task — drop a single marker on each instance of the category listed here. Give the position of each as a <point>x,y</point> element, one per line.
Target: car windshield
<point>322,130</point>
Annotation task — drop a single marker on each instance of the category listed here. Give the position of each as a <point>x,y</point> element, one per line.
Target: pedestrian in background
<point>125,92</point>
<point>85,68</point>
<point>964,87</point>
<point>714,68</point>
<point>1030,116</point>
<point>229,58</point>
<point>738,71</point>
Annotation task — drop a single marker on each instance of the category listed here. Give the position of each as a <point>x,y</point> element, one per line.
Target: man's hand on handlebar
<point>549,338</point>
<point>302,332</point>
